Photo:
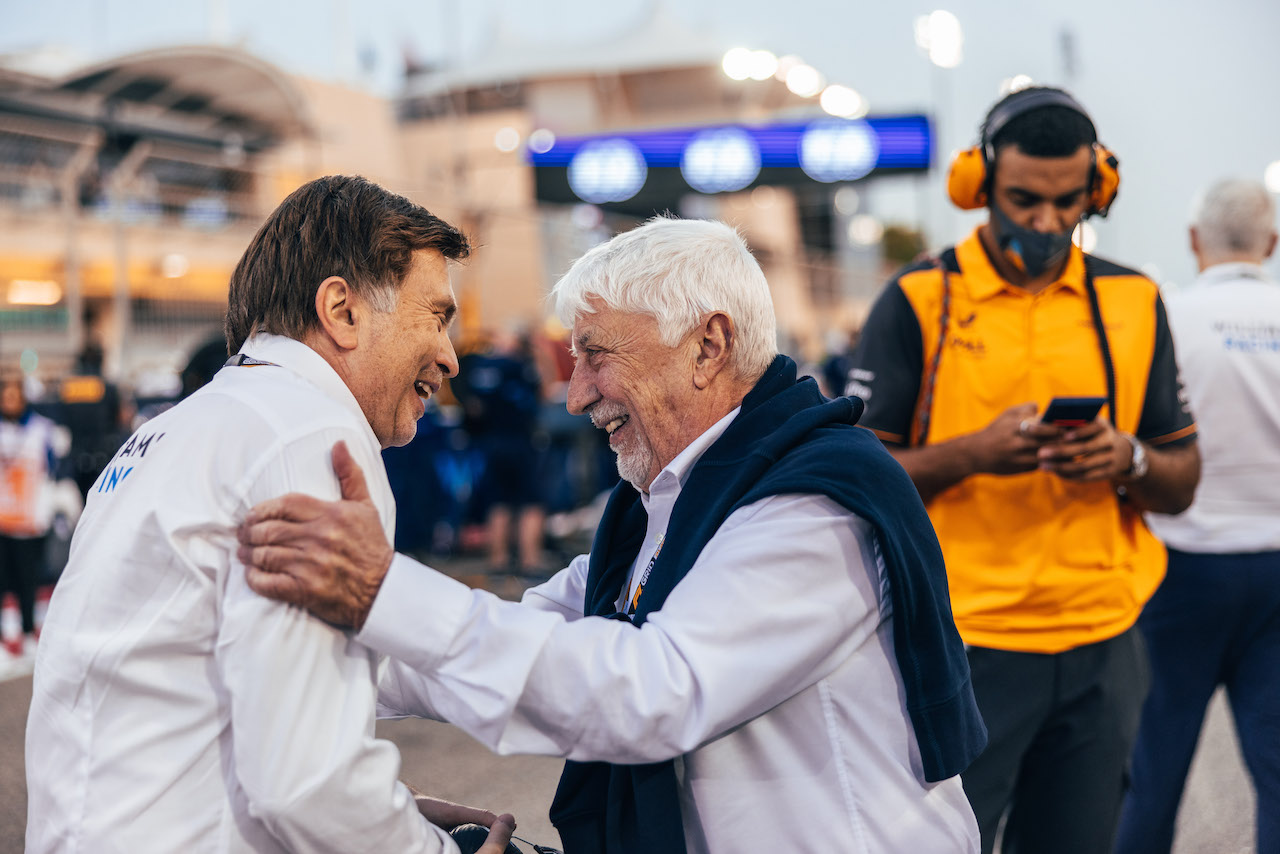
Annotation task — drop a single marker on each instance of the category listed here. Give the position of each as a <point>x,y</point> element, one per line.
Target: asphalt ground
<point>1217,814</point>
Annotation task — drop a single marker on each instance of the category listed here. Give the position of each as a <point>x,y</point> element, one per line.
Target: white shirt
<point>176,710</point>
<point>1226,329</point>
<point>768,674</point>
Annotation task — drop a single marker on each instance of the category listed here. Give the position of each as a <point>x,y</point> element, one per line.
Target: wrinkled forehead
<point>598,323</point>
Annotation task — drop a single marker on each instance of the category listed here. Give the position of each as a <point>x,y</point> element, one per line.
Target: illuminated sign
<point>655,168</point>
<point>607,170</point>
<point>720,160</point>
<point>838,151</point>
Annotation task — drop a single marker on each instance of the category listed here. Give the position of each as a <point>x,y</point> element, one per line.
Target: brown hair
<point>339,225</point>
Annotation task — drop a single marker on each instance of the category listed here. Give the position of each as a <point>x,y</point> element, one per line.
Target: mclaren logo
<point>972,346</point>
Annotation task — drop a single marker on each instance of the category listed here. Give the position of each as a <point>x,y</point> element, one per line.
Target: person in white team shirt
<point>1216,617</point>
<point>175,710</point>
<point>31,449</point>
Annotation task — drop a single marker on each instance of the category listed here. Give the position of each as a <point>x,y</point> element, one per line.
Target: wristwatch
<point>1138,463</point>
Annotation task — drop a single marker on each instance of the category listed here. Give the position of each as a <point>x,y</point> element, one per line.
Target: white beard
<point>634,466</point>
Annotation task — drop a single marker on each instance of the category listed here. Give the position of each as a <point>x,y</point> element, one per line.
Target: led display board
<point>645,171</point>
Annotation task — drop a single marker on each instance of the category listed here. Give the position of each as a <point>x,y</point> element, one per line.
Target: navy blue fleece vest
<point>787,439</point>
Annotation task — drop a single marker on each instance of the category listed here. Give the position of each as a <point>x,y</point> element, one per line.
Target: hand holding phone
<point>1072,411</point>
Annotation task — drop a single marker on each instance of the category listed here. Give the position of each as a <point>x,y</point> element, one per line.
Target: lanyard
<point>644,577</point>
<point>240,360</point>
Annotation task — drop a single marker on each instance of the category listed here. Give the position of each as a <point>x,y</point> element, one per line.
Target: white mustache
<point>601,414</point>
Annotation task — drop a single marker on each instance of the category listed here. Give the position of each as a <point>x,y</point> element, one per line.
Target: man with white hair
<point>758,652</point>
<point>1216,618</point>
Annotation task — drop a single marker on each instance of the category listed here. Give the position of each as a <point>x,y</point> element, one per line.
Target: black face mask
<point>1032,252</point>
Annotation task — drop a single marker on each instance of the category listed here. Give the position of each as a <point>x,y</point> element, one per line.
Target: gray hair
<point>677,271</point>
<point>1235,217</point>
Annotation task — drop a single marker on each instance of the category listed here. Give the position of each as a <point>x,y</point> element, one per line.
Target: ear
<point>336,312</point>
<point>716,342</point>
<point>1195,240</point>
<point>1271,245</point>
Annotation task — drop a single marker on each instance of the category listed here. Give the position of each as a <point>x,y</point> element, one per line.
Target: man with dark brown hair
<point>335,226</point>
<point>175,710</point>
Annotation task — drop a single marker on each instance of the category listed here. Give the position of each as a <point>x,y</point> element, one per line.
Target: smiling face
<point>635,387</point>
<point>404,355</point>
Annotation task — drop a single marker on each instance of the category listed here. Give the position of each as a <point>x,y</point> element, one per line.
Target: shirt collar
<point>676,472</point>
<point>983,282</point>
<point>300,359</point>
<point>1232,271</point>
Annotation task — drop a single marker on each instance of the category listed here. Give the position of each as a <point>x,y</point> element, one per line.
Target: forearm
<point>517,679</point>
<point>936,468</point>
<point>1170,482</point>
<point>402,692</point>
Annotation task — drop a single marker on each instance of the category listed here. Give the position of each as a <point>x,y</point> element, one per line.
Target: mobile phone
<point>1072,411</point>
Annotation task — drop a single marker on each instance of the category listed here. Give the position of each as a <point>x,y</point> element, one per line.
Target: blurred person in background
<point>1047,556</point>
<point>175,710</point>
<point>93,410</point>
<point>32,448</point>
<point>205,361</point>
<point>425,507</point>
<point>756,655</point>
<point>838,362</point>
<point>1215,620</point>
<point>500,392</point>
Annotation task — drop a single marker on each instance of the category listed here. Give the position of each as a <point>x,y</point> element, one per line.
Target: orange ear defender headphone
<point>970,175</point>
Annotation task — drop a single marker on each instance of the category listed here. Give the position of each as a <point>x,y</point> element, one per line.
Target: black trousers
<point>21,564</point>
<point>1060,730</point>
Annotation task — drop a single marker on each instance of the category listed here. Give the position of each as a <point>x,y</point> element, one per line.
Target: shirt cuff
<point>416,614</point>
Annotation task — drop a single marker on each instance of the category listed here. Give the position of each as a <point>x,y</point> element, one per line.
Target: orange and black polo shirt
<point>1035,563</point>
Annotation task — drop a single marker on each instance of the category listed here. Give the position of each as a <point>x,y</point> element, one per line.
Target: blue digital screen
<point>905,142</point>
<point>723,158</point>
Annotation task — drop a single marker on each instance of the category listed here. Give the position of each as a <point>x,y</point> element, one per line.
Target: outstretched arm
<point>733,640</point>
<point>525,680</point>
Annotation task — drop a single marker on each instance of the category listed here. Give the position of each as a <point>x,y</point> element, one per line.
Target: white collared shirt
<point>1226,330</point>
<point>768,675</point>
<point>176,710</point>
<point>661,499</point>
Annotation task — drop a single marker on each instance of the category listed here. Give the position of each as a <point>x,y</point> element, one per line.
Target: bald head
<point>1235,221</point>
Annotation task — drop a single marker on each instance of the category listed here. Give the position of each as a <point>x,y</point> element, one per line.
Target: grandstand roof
<point>204,95</point>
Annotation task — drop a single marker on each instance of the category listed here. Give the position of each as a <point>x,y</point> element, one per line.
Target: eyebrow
<point>449,308</point>
<point>1062,197</point>
<point>580,343</point>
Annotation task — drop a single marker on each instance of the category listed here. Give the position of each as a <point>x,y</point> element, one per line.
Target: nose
<point>447,358</point>
<point>582,390</point>
<point>1046,218</point>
